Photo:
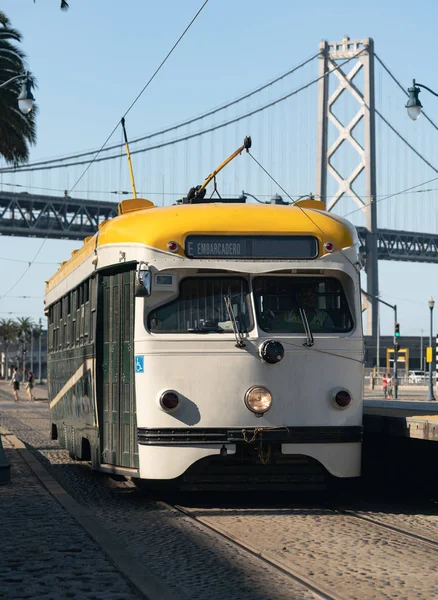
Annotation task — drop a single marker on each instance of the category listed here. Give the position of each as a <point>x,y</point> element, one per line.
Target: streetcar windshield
<point>282,302</point>
<point>201,308</point>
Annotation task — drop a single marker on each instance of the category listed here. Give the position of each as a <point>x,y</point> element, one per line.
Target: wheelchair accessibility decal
<point>139,364</point>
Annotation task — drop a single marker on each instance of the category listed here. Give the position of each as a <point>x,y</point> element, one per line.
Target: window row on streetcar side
<point>72,319</point>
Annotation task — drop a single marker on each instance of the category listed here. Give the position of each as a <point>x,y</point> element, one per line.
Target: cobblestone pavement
<point>189,559</point>
<point>44,553</point>
<point>353,558</point>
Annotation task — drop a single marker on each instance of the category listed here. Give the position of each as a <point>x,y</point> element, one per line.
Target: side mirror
<point>143,283</point>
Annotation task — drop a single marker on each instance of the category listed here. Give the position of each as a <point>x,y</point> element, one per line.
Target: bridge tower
<point>332,54</point>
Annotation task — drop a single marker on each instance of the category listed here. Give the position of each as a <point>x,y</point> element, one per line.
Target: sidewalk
<point>39,392</point>
<point>45,553</point>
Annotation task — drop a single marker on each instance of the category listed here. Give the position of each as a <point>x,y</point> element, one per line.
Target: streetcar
<point>211,344</point>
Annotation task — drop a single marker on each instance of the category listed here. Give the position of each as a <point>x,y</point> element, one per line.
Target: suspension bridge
<point>334,124</point>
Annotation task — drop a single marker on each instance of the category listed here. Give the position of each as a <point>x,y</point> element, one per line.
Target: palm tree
<point>64,5</point>
<point>25,327</point>
<point>17,131</point>
<point>8,332</point>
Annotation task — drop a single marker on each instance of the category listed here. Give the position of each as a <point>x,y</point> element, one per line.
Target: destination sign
<point>251,246</point>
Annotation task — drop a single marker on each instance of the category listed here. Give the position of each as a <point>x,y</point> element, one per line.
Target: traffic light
<point>397,330</point>
<point>396,347</point>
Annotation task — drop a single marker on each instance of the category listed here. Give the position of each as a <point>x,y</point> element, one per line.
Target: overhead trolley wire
<point>157,70</point>
<point>178,125</point>
<point>2,296</point>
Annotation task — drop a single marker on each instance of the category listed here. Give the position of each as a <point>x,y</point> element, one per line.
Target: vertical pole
<point>321,158</point>
<point>23,354</point>
<point>39,353</point>
<point>128,154</point>
<point>395,357</point>
<point>370,211</point>
<point>378,340</point>
<point>421,352</point>
<point>31,348</point>
<point>431,395</point>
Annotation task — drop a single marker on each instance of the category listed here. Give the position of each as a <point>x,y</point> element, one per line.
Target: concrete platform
<point>404,418</point>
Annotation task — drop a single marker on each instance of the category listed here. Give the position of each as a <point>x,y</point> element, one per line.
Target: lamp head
<point>413,104</point>
<point>431,303</point>
<point>26,99</point>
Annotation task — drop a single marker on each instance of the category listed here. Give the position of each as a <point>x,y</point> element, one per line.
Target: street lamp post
<point>23,353</point>
<point>431,305</point>
<point>31,348</point>
<point>396,344</point>
<point>25,98</point>
<point>39,352</point>
<point>413,105</point>
<point>421,352</point>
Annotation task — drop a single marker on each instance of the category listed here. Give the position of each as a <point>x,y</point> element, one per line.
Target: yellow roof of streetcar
<point>143,223</point>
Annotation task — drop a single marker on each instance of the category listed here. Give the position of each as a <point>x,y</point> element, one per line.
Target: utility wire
<point>178,194</point>
<point>27,262</point>
<point>405,191</point>
<point>193,135</point>
<point>25,271</point>
<point>183,123</point>
<point>142,91</point>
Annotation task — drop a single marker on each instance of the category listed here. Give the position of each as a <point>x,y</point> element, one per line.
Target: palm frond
<point>64,5</point>
<point>17,131</point>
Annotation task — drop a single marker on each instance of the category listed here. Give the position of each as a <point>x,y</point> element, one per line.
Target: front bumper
<point>196,436</point>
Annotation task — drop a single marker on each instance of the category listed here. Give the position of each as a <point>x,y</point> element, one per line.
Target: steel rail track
<point>376,522</point>
<point>320,590</point>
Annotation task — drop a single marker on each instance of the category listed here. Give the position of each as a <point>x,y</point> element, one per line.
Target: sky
<point>92,61</point>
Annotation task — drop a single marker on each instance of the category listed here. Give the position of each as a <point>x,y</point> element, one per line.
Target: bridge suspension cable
<point>48,164</point>
<point>178,125</point>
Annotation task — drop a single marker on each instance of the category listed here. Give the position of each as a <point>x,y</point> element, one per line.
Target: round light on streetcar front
<point>329,246</point>
<point>341,399</point>
<point>169,401</point>
<point>172,246</point>
<point>258,400</point>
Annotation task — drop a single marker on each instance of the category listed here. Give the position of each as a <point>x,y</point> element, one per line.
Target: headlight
<point>258,400</point>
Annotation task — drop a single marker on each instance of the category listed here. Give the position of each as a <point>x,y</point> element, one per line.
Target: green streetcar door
<point>115,368</point>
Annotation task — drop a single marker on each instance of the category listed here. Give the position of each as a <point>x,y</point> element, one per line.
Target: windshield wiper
<point>239,336</point>
<point>309,336</point>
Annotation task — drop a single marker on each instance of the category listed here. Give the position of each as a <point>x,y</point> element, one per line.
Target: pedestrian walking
<point>385,385</point>
<point>389,383</point>
<point>29,386</point>
<point>15,382</point>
